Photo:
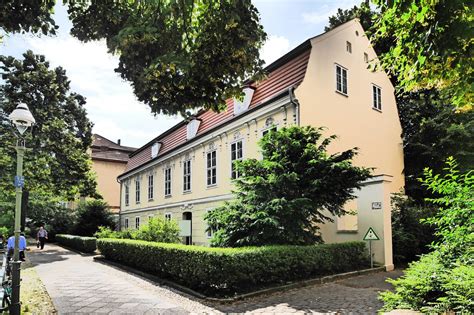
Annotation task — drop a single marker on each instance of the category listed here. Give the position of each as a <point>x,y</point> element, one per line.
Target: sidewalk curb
<point>279,288</point>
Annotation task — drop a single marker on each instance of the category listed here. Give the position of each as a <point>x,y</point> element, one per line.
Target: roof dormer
<point>155,149</point>
<point>242,106</point>
<point>192,128</point>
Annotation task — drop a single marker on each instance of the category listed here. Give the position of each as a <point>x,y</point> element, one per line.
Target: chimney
<point>118,141</point>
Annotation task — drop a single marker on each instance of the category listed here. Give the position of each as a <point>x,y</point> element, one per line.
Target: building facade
<point>109,160</point>
<point>325,81</point>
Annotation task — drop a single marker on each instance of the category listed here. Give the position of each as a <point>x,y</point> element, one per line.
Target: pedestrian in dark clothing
<point>42,236</point>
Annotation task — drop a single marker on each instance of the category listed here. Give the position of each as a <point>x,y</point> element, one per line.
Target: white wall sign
<point>376,205</point>
<point>185,228</point>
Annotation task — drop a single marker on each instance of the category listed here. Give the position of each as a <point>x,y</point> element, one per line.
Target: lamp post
<point>22,118</point>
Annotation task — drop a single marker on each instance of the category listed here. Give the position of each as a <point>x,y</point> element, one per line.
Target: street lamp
<point>22,118</point>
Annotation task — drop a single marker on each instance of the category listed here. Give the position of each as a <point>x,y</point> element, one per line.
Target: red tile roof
<point>104,149</point>
<point>284,73</point>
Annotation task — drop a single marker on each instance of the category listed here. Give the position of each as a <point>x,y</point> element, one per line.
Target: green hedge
<point>223,271</point>
<point>80,243</point>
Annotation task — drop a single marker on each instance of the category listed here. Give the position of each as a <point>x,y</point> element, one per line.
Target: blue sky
<point>111,105</point>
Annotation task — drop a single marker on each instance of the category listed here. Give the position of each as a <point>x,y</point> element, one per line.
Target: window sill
<point>137,203</point>
<point>211,186</point>
<point>347,231</point>
<point>151,199</point>
<point>377,110</point>
<point>187,192</point>
<point>342,93</point>
<point>168,196</point>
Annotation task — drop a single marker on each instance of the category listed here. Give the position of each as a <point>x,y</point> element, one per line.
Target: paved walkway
<point>77,284</point>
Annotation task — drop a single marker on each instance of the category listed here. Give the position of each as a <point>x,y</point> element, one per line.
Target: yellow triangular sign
<point>370,235</point>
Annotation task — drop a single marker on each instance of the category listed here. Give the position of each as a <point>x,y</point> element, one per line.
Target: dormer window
<point>192,128</point>
<point>155,148</point>
<point>242,106</point>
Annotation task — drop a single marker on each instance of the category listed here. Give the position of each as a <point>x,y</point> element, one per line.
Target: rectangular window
<point>236,154</point>
<point>211,168</point>
<point>168,216</point>
<point>341,79</point>
<point>150,187</point>
<point>125,223</point>
<point>137,222</point>
<point>137,191</point>
<point>127,194</point>
<point>187,176</point>
<point>208,231</point>
<point>168,182</point>
<point>366,58</point>
<point>377,97</point>
<point>349,47</point>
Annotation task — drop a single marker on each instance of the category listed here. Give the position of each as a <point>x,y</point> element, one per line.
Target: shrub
<point>106,232</point>
<point>411,237</point>
<point>443,281</point>
<point>80,243</point>
<point>91,215</point>
<point>158,230</point>
<point>223,271</point>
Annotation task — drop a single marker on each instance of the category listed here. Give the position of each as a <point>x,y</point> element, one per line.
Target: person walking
<point>42,236</point>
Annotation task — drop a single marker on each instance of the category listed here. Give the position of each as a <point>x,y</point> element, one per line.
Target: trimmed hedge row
<point>80,243</point>
<point>222,271</point>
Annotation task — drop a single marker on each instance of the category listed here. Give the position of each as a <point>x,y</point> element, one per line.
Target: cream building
<point>325,81</point>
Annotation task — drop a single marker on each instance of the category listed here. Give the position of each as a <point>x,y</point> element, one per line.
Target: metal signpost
<point>370,236</point>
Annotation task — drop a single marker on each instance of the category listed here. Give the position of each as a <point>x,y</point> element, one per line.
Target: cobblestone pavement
<point>77,284</point>
<point>357,295</point>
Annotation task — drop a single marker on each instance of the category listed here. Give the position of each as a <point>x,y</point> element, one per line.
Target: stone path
<point>77,284</point>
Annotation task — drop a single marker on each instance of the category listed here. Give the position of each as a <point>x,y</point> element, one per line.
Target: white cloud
<point>275,47</point>
<point>326,10</point>
<point>111,104</point>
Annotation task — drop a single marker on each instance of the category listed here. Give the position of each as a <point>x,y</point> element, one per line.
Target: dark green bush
<point>80,243</point>
<point>223,271</point>
<point>92,214</point>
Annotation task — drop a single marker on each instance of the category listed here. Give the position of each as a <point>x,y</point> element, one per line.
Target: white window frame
<point>168,216</point>
<point>349,47</point>
<point>137,191</point>
<point>187,175</point>
<point>376,97</point>
<point>168,182</point>
<point>211,168</point>
<point>343,80</point>
<point>137,223</point>
<point>232,160</point>
<point>126,223</point>
<point>273,127</point>
<point>127,194</point>
<point>151,187</point>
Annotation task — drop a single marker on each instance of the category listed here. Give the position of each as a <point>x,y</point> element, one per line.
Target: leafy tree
<point>27,16</point>
<point>362,12</point>
<point>443,280</point>
<point>432,46</point>
<point>158,230</point>
<point>91,215</point>
<point>57,161</point>
<point>282,198</point>
<point>178,55</point>
<point>432,131</point>
<point>410,236</point>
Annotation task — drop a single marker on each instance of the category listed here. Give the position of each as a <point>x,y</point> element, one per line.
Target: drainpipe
<point>294,101</point>
<point>120,206</point>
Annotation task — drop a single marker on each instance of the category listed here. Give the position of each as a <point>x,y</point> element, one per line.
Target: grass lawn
<point>34,297</point>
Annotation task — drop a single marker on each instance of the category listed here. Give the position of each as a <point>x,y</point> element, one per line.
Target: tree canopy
<point>23,16</point>
<point>178,55</point>
<point>281,198</point>
<point>432,47</point>
<point>57,161</point>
